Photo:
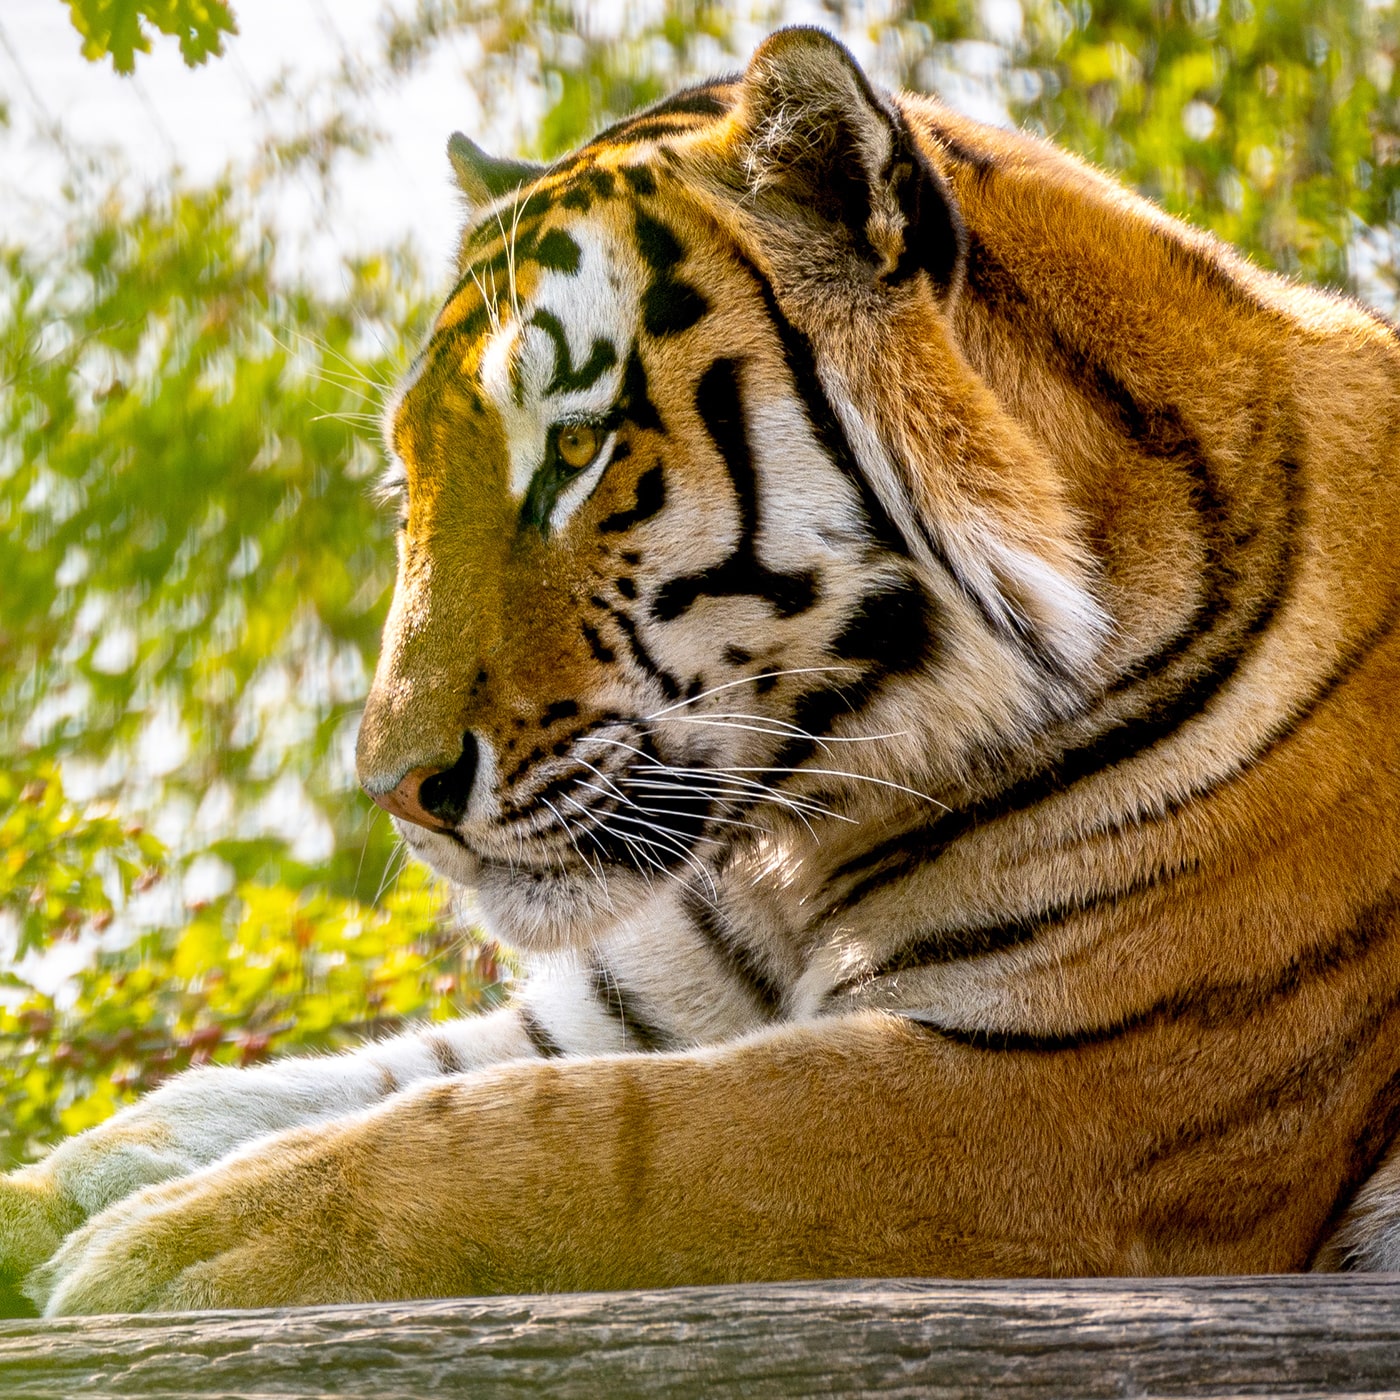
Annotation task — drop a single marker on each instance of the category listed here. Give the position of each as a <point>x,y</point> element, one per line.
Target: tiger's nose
<point>435,798</point>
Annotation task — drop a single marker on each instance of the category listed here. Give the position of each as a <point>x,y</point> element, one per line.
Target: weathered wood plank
<point>1023,1340</point>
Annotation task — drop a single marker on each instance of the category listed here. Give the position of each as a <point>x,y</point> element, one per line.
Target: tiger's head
<point>709,533</point>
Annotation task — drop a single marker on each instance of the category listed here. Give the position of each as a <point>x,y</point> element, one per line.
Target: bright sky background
<point>206,118</point>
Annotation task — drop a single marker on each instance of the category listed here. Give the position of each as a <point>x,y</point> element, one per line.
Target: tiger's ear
<point>483,178</point>
<point>825,152</point>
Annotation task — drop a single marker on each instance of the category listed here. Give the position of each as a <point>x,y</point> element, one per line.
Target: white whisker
<point>747,680</point>
<point>841,773</point>
<point>730,721</point>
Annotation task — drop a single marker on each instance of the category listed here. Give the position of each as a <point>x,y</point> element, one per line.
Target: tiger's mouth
<point>602,855</point>
<point>605,802</point>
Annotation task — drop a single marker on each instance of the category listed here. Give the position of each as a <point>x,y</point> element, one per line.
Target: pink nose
<point>404,801</point>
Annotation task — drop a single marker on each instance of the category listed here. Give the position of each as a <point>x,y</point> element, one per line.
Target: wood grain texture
<point>1023,1340</point>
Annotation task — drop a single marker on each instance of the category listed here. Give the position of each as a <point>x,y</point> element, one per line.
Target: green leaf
<point>116,29</point>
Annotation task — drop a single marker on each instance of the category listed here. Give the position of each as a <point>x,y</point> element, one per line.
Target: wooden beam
<point>1321,1335</point>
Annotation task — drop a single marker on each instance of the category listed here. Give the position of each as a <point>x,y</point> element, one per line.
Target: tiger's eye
<point>579,444</point>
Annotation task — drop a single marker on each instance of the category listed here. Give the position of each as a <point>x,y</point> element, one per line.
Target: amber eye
<point>579,444</point>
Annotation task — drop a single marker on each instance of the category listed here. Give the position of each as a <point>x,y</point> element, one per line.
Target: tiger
<point>900,634</point>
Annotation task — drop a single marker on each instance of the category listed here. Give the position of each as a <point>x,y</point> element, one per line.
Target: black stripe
<point>620,1005</point>
<point>735,955</point>
<point>1211,1005</point>
<point>560,709</point>
<point>544,1044</point>
<point>444,1054</point>
<point>639,178</point>
<point>670,686</point>
<point>1155,430</point>
<point>601,651</point>
<point>635,402</point>
<point>691,102</point>
<point>801,362</point>
<point>709,100</point>
<point>935,237</point>
<point>637,131</point>
<point>953,944</point>
<point>1353,657</point>
<point>719,402</point>
<point>891,626</point>
<point>895,629</point>
<point>650,497</point>
<point>949,945</point>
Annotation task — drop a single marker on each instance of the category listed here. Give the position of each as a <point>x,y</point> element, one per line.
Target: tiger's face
<point>627,563</point>
<point>667,587</point>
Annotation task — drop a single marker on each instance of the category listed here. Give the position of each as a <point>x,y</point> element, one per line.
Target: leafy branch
<point>117,29</point>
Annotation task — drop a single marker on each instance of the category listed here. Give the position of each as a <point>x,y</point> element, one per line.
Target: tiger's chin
<point>540,910</point>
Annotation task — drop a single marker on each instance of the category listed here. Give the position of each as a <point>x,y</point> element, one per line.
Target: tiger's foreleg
<point>614,1001</point>
<point>203,1114</point>
<point>860,1147</point>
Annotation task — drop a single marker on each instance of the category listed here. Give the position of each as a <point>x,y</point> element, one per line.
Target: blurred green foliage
<point>194,578</point>
<point>193,574</point>
<point>116,29</point>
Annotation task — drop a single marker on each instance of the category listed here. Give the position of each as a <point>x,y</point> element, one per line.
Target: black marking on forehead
<point>640,178</point>
<point>578,192</point>
<point>660,248</point>
<point>520,244</point>
<point>558,252</point>
<point>671,307</point>
<point>602,357</point>
<point>670,304</point>
<point>719,402</point>
<point>521,225</point>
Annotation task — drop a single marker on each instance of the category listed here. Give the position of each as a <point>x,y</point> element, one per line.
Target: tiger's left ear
<point>822,151</point>
<point>483,178</point>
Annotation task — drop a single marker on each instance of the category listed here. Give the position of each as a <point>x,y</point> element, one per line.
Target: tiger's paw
<point>34,1217</point>
<point>254,1230</point>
